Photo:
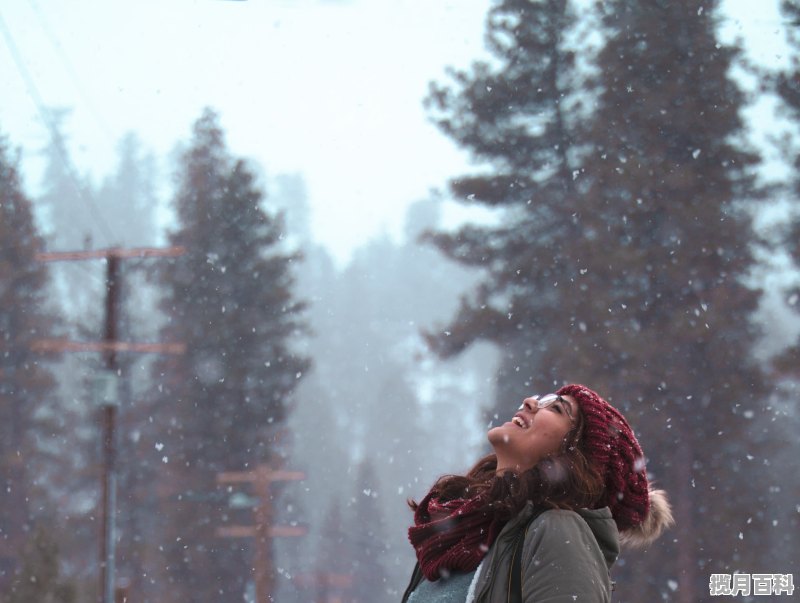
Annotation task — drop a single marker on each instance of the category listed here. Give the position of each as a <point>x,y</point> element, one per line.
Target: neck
<point>510,464</point>
<point>503,466</point>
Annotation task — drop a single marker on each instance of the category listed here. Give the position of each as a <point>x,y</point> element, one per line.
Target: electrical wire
<point>73,74</point>
<point>54,133</point>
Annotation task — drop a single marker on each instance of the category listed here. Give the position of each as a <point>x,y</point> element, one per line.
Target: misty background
<point>397,221</point>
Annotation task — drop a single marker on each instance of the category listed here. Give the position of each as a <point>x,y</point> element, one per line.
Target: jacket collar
<point>600,521</point>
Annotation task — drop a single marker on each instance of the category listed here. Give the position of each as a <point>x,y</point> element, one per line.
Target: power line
<point>54,133</point>
<point>70,70</point>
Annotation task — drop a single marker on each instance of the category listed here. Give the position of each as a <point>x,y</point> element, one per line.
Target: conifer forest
<point>202,401</point>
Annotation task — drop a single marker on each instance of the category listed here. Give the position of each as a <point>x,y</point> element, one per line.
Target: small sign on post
<point>105,388</point>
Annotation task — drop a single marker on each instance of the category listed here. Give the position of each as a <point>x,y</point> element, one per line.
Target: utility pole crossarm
<point>65,345</point>
<point>117,252</point>
<point>261,474</point>
<point>253,531</point>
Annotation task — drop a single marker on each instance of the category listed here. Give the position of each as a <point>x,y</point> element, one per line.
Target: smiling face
<point>532,434</point>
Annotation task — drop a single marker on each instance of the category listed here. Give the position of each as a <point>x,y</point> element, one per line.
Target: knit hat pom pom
<point>658,519</point>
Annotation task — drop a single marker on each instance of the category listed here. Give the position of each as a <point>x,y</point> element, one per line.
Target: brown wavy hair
<point>563,480</point>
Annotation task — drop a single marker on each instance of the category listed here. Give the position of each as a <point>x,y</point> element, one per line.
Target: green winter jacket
<point>566,557</point>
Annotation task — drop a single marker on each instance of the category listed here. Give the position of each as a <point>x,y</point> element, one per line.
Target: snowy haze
<point>326,98</point>
<point>330,89</point>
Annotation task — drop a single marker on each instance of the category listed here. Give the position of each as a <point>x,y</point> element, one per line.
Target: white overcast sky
<point>331,89</point>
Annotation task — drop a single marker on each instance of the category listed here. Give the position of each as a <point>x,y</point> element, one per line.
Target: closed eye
<point>567,408</point>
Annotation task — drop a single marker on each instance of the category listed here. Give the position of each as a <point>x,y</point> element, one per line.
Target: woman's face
<point>533,433</point>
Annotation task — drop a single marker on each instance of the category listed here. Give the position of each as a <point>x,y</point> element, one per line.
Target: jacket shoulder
<point>558,531</point>
<point>562,560</point>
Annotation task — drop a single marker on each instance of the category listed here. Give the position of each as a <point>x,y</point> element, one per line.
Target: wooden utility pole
<point>109,503</point>
<point>108,390</point>
<point>263,530</point>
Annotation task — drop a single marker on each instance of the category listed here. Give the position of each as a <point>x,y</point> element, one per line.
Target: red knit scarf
<point>457,541</point>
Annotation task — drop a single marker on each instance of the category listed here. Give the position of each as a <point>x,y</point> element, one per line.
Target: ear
<point>658,519</point>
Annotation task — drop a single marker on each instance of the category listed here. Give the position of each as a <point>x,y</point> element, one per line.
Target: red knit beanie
<point>612,449</point>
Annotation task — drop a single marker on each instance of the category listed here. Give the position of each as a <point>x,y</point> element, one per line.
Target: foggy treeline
<point>626,248</point>
<point>242,394</point>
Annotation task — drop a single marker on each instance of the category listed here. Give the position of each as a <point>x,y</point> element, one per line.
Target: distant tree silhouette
<point>40,577</point>
<point>29,416</point>
<point>333,578</point>
<point>370,371</point>
<point>66,198</point>
<point>367,532</point>
<point>222,404</point>
<point>128,195</point>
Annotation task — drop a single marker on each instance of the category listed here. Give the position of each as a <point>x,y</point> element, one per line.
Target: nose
<point>530,404</point>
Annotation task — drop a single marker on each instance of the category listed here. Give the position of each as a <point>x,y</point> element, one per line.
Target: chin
<point>497,435</point>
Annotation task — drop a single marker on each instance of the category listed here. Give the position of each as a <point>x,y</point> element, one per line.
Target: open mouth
<point>519,422</point>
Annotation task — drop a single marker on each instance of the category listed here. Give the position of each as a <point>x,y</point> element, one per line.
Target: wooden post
<point>109,410</point>
<point>263,531</point>
<point>109,347</point>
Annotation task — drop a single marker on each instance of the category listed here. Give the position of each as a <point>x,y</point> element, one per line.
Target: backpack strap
<point>416,578</point>
<point>515,575</point>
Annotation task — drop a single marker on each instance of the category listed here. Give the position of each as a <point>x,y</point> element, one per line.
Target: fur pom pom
<point>658,519</point>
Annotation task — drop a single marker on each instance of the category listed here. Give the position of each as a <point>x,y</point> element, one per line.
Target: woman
<point>542,518</point>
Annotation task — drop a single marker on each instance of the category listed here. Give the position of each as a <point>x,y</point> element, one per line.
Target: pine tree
<point>65,207</point>
<point>788,86</point>
<point>368,533</point>
<point>524,119</point>
<point>27,410</point>
<point>787,365</point>
<point>663,257</point>
<point>67,210</point>
<point>632,282</point>
<point>65,430</point>
<point>222,404</point>
<point>128,196</point>
<point>65,201</point>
